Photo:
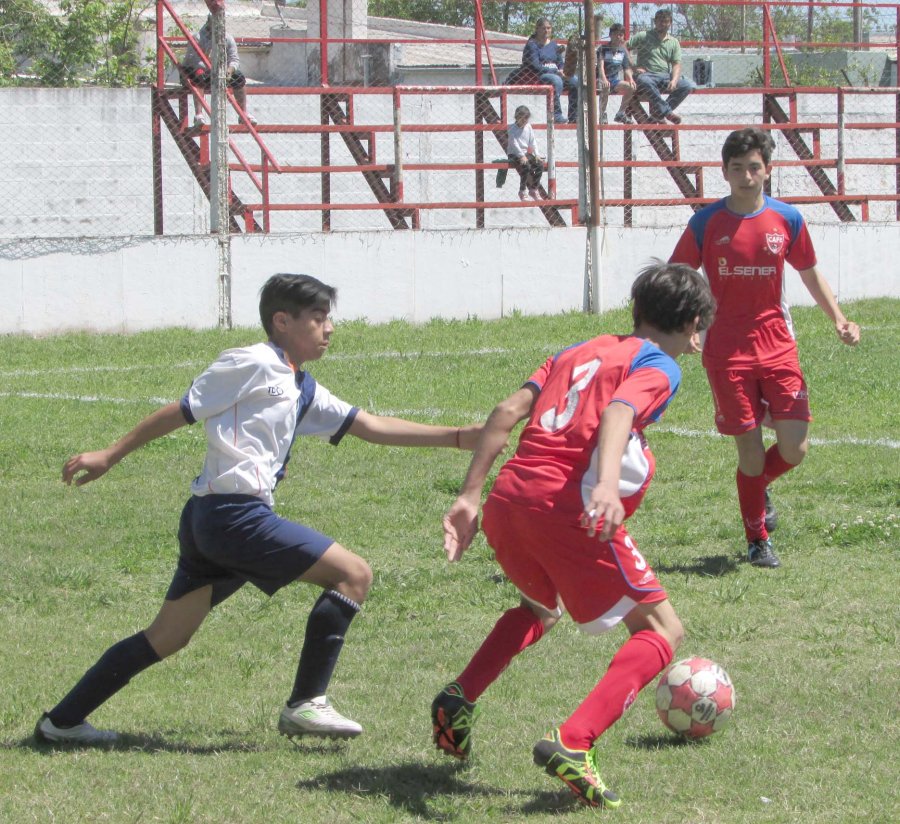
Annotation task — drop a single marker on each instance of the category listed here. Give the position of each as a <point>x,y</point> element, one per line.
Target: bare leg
<point>177,621</point>
<point>792,437</point>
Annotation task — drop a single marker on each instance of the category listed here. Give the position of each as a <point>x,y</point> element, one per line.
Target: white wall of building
<point>80,162</point>
<point>131,284</point>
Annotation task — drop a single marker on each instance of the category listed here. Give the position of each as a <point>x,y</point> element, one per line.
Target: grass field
<point>811,647</point>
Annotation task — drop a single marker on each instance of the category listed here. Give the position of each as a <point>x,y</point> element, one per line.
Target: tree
<point>727,23</point>
<point>514,18</point>
<point>95,41</point>
<point>25,29</point>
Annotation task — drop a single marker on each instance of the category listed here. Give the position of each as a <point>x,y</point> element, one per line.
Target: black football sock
<point>114,669</point>
<point>328,623</point>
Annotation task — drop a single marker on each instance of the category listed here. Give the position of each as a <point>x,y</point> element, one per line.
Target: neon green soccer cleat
<point>452,719</point>
<point>577,769</point>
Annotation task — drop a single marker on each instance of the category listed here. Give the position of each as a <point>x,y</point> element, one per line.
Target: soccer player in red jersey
<point>750,354</point>
<point>554,519</point>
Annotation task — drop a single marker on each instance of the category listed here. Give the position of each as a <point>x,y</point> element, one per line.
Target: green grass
<point>812,647</point>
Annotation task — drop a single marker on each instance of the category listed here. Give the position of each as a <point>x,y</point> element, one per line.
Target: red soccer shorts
<point>551,560</point>
<point>740,396</point>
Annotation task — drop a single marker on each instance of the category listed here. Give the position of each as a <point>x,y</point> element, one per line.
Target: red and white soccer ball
<point>695,697</point>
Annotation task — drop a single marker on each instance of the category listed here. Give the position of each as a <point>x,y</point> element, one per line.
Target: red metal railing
<point>363,139</point>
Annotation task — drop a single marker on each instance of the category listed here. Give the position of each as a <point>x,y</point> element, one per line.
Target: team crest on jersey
<point>775,242</point>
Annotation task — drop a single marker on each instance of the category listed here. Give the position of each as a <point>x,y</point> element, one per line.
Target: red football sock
<point>775,466</point>
<point>517,629</point>
<point>639,660</point>
<point>752,500</point>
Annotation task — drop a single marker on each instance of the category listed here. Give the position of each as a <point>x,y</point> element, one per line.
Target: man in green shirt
<point>657,60</point>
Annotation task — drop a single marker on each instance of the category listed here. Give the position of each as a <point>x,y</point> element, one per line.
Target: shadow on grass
<point>229,742</point>
<point>661,742</point>
<point>552,802</point>
<point>409,787</point>
<point>714,566</point>
<point>405,786</point>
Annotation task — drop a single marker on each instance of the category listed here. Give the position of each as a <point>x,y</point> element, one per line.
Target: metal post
<point>323,41</point>
<point>743,27</point>
<point>156,138</point>
<point>218,184</point>
<point>593,296</point>
<point>479,39</point>
<point>551,146</point>
<point>840,142</point>
<point>398,149</point>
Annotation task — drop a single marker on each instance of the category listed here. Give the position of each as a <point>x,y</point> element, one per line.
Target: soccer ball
<point>695,697</point>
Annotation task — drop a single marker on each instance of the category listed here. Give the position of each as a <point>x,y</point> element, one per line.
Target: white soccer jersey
<point>253,405</point>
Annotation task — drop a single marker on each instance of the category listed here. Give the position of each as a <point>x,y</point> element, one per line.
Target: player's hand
<point>694,347</point>
<point>848,332</point>
<point>91,464</point>
<point>604,84</point>
<point>603,514</point>
<point>468,435</point>
<point>673,84</point>
<point>460,527</point>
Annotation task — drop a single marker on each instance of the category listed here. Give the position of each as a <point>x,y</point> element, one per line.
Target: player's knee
<point>794,453</point>
<point>166,642</point>
<point>357,580</point>
<point>674,633</point>
<point>548,620</point>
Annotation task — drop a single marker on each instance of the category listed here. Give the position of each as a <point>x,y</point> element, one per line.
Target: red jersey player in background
<point>554,519</point>
<point>750,355</point>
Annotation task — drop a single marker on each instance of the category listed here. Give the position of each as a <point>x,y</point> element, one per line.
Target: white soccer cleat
<point>82,733</point>
<point>316,717</point>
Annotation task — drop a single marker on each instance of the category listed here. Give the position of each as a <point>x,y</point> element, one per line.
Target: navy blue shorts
<point>227,540</point>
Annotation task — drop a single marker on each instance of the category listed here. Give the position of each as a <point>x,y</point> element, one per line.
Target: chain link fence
<point>411,131</point>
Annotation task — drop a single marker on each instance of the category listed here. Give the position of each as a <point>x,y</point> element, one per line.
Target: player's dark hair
<point>668,296</point>
<point>293,293</point>
<point>663,13</point>
<point>616,27</point>
<point>742,141</point>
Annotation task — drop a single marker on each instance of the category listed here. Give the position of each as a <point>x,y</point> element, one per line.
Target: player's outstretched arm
<point>388,431</point>
<point>88,466</point>
<point>818,287</point>
<point>461,521</point>
<point>604,507</point>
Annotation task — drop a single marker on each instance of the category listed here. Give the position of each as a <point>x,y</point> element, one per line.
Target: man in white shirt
<point>197,70</point>
<point>253,401</point>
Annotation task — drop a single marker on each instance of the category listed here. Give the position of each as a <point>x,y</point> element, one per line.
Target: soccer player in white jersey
<point>253,401</point>
<point>554,519</point>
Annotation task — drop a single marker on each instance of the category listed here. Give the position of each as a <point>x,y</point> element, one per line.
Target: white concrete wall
<point>127,285</point>
<point>80,162</point>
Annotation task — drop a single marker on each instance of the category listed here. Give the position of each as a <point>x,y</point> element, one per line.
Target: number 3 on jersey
<point>555,419</point>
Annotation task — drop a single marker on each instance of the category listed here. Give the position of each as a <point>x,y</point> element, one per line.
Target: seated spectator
<point>521,149</point>
<point>542,64</point>
<point>614,74</point>
<point>657,68</point>
<point>199,73</point>
<point>570,57</point>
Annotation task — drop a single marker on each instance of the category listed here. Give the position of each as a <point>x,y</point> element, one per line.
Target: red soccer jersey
<point>743,258</point>
<point>555,466</point>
